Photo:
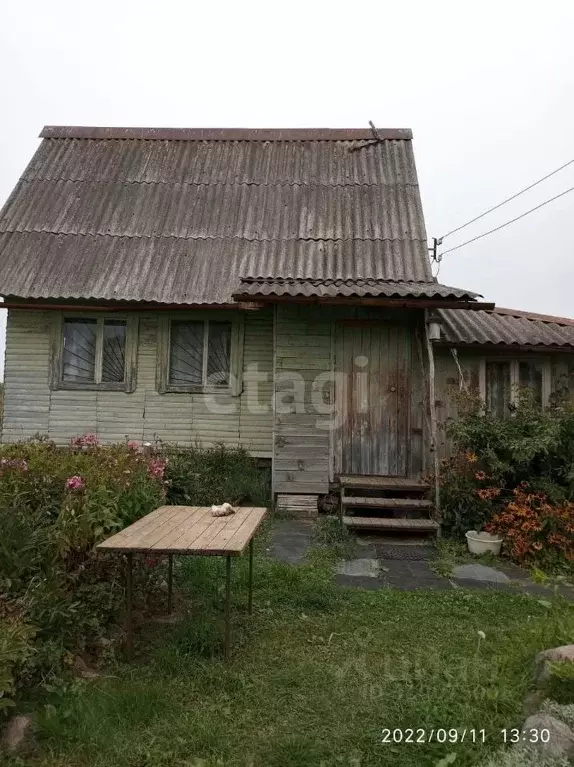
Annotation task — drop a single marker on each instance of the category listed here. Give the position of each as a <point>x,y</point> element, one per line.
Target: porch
<point>352,414</point>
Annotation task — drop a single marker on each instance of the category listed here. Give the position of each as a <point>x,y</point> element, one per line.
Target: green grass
<point>333,541</point>
<point>316,675</point>
<point>451,553</point>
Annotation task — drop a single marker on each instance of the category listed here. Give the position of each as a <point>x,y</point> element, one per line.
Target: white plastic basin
<point>483,543</point>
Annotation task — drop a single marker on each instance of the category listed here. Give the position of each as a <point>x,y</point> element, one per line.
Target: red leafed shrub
<point>534,529</point>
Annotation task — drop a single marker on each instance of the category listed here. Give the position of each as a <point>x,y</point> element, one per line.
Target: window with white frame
<point>200,353</point>
<point>504,377</point>
<point>94,352</point>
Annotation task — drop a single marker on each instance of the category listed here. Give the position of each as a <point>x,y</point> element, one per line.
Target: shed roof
<point>506,327</point>
<point>180,216</point>
<point>333,288</point>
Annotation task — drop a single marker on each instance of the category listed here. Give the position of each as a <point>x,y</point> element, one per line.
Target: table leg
<point>129,604</point>
<point>250,600</point>
<point>169,583</point>
<point>227,606</point>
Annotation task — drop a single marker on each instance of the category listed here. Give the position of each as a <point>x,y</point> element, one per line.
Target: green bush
<point>495,458</point>
<point>15,652</point>
<point>59,596</point>
<point>55,505</point>
<point>217,475</point>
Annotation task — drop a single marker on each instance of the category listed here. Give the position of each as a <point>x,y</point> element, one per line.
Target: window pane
<point>114,351</point>
<point>530,375</point>
<point>498,388</point>
<point>219,353</point>
<point>79,351</point>
<point>186,353</point>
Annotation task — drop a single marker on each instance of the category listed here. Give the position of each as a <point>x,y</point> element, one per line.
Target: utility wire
<point>500,204</point>
<point>498,228</point>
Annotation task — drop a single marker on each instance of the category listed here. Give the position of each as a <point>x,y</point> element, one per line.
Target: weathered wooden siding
<point>26,390</point>
<point>562,375</point>
<point>373,391</point>
<point>31,407</point>
<point>474,368</point>
<point>302,436</point>
<point>448,386</point>
<point>305,443</point>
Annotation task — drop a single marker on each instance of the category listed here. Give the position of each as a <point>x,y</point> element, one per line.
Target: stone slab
<point>291,540</point>
<point>359,568</point>
<point>477,572</point>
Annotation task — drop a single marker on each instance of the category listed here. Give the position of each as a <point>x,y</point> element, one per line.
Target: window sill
<point>107,386</point>
<point>198,389</point>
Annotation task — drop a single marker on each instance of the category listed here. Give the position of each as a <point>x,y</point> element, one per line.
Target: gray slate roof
<point>505,327</point>
<point>180,216</point>
<point>333,288</point>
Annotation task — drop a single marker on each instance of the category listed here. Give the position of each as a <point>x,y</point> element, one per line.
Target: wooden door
<point>373,397</point>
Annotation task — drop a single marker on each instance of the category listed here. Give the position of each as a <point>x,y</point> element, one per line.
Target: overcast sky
<point>487,87</point>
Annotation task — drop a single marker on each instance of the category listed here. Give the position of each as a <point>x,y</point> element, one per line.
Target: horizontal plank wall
<point>26,376</point>
<point>31,407</point>
<point>302,436</point>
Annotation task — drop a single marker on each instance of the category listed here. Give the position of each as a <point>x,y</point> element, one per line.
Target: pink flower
<point>86,440</point>
<point>75,483</point>
<point>13,463</point>
<point>156,467</point>
<point>133,444</point>
<point>480,475</point>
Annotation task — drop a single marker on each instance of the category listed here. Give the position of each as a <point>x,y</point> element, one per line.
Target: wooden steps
<point>404,504</point>
<point>393,505</point>
<point>392,525</point>
<point>386,484</point>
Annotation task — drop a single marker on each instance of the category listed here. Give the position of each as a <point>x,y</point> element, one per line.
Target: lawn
<point>317,674</point>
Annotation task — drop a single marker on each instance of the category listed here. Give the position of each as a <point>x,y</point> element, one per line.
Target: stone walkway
<point>407,570</point>
<point>290,540</point>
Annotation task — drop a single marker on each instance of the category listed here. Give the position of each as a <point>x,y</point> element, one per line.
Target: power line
<point>498,228</point>
<point>500,204</point>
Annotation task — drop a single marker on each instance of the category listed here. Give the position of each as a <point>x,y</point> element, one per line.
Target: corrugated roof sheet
<point>278,212</point>
<point>505,327</point>
<point>177,216</point>
<point>173,270</point>
<point>345,288</point>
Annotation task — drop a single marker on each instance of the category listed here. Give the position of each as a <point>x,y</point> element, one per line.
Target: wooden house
<point>264,288</point>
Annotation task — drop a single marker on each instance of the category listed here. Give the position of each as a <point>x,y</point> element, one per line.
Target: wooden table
<point>191,531</point>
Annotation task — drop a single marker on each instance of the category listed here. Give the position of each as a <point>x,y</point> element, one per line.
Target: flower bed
<point>57,596</point>
<point>515,478</point>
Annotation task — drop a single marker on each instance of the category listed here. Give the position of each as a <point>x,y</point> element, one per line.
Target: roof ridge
<point>225,134</point>
<point>60,180</point>
<point>335,280</point>
<point>26,230</point>
<point>521,314</point>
